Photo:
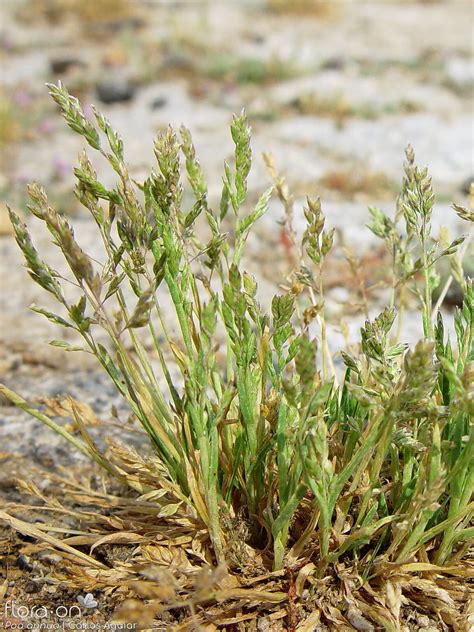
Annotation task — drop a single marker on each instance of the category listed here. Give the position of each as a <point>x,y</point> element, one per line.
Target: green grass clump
<point>249,70</point>
<point>372,466</point>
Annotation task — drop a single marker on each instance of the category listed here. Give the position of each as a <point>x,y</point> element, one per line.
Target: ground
<point>334,92</point>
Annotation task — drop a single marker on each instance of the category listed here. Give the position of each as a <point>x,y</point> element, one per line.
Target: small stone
<point>24,563</point>
<point>158,103</point>
<point>32,587</point>
<point>256,38</point>
<point>60,65</point>
<point>115,90</point>
<point>333,63</point>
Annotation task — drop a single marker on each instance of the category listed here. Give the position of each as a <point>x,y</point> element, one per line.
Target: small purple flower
<point>23,98</point>
<point>21,178</point>
<point>6,42</point>
<point>46,126</point>
<point>61,167</point>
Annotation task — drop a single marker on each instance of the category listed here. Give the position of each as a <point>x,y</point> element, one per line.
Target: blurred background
<point>335,90</point>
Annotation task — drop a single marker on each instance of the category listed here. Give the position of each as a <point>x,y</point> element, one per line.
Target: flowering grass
<point>269,454</point>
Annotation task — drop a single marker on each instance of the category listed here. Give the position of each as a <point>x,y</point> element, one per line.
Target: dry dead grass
<point>147,561</point>
<point>85,10</point>
<point>317,8</point>
<point>350,182</point>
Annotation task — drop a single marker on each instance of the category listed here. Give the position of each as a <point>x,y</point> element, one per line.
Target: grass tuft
<point>272,460</point>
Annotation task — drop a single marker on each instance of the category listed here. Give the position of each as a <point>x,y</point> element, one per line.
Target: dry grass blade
<point>38,533</point>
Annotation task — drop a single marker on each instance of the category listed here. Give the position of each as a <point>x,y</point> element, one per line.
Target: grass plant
<point>338,106</point>
<point>269,453</point>
<point>250,70</point>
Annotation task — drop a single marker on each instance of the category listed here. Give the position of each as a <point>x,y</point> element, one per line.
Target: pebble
<point>60,65</point>
<point>24,563</point>
<point>115,90</point>
<point>158,103</point>
<point>333,63</point>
